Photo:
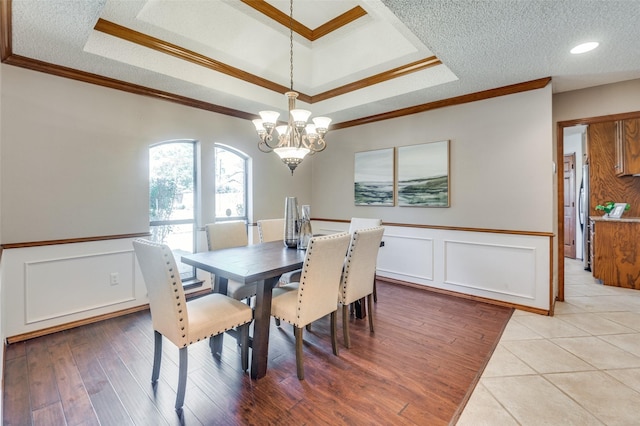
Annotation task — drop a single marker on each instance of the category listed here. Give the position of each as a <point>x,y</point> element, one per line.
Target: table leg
<point>262,318</point>
<point>219,286</point>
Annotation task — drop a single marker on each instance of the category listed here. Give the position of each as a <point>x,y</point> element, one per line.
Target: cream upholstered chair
<point>222,235</point>
<point>359,274</point>
<point>182,322</point>
<point>362,223</point>
<point>316,294</point>
<point>271,230</point>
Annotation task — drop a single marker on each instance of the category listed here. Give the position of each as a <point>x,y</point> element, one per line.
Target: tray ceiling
<point>352,58</point>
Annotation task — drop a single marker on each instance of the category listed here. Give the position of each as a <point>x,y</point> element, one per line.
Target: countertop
<point>611,219</point>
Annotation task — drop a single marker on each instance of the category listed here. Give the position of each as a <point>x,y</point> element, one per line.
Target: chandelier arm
<point>265,144</point>
<point>322,144</point>
<point>306,143</point>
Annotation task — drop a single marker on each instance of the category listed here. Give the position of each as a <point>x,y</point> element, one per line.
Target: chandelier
<point>293,141</point>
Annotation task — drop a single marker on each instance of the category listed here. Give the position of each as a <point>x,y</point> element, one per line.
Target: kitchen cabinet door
<point>628,147</point>
<point>616,252</point>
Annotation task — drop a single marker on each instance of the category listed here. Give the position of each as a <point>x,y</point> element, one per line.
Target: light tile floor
<point>579,367</point>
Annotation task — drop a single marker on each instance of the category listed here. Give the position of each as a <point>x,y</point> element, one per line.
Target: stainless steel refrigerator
<point>584,218</point>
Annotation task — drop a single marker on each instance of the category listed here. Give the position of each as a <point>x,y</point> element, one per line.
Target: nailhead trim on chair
<point>180,311</point>
<point>347,265</point>
<point>303,276</point>
<point>304,272</point>
<point>215,334</point>
<point>175,290</point>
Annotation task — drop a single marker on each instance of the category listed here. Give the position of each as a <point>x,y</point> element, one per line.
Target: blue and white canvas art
<point>423,175</point>
<point>373,178</point>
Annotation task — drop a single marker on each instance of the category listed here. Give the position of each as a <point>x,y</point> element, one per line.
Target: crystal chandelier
<point>296,139</point>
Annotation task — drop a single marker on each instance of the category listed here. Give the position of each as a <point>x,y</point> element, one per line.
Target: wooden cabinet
<point>628,147</point>
<point>616,251</point>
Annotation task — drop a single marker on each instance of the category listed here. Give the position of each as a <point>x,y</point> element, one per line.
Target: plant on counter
<point>609,205</point>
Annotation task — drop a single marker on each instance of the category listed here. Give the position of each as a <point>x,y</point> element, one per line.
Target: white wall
<point>509,268</point>
<point>74,164</point>
<point>597,101</point>
<point>75,158</point>
<point>501,178</point>
<point>501,173</point>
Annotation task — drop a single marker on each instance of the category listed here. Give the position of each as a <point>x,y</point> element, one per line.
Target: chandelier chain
<point>291,41</point>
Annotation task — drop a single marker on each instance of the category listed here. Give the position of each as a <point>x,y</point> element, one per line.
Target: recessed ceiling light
<point>584,47</point>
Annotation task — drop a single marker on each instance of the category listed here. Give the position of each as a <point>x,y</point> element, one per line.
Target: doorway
<point>571,139</point>
<point>570,205</point>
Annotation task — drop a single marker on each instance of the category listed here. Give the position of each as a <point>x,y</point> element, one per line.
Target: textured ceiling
<point>480,45</point>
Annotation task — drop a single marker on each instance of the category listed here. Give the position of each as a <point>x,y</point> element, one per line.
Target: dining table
<point>262,264</point>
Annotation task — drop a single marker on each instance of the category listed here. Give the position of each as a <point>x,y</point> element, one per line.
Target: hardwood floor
<point>419,367</point>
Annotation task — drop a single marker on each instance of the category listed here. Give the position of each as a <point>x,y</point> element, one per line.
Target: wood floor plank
<point>43,389</point>
<point>418,367</point>
<point>73,395</point>
<point>141,409</point>
<point>50,415</point>
<point>16,408</point>
<point>105,400</point>
<point>131,353</point>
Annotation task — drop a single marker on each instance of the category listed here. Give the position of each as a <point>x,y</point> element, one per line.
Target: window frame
<point>186,279</point>
<point>246,159</point>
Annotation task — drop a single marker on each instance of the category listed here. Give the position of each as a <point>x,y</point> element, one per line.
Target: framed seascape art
<point>423,175</point>
<point>373,178</point>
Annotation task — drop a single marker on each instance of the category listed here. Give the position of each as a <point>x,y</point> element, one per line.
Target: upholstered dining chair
<point>182,322</point>
<point>362,223</point>
<point>316,295</point>
<point>222,235</point>
<point>359,273</point>
<point>271,230</point>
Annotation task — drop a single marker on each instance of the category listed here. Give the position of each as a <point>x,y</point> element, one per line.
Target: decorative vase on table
<point>291,222</point>
<point>304,230</point>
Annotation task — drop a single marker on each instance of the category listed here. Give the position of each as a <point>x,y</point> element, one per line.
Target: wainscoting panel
<point>62,286</point>
<point>406,257</point>
<point>507,270</point>
<point>511,267</point>
<point>52,285</point>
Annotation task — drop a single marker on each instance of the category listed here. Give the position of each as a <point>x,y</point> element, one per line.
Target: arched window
<point>231,183</point>
<point>172,198</point>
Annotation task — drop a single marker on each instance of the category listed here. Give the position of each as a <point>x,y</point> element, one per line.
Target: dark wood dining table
<point>260,263</point>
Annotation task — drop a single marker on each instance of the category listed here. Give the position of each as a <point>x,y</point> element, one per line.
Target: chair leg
<point>299,358</point>
<point>345,325</point>
<point>182,379</point>
<point>157,357</point>
<point>243,336</point>
<point>334,333</point>
<point>370,298</point>
<point>215,343</point>
<point>375,292</point>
